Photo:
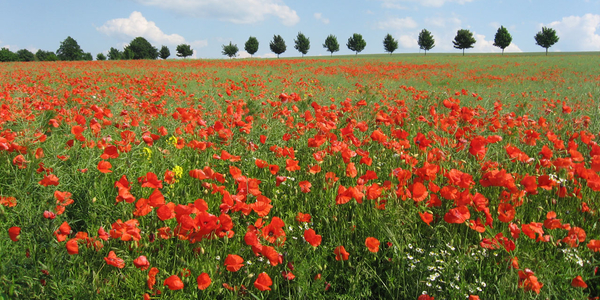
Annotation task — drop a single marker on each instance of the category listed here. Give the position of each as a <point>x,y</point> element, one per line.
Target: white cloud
<point>235,11</point>
<point>408,41</point>
<point>243,54</point>
<point>483,45</point>
<point>430,3</point>
<point>268,55</point>
<point>125,29</point>
<point>578,32</point>
<point>319,17</point>
<point>397,23</point>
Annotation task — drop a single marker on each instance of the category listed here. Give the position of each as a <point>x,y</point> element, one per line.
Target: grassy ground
<point>438,158</point>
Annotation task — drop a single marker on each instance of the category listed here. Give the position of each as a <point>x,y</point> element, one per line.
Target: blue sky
<point>208,24</point>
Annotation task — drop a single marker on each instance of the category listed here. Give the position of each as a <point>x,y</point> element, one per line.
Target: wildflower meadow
<point>391,177</point>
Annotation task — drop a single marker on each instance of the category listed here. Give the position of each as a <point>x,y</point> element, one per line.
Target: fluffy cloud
<point>136,25</point>
<point>578,33</point>
<point>319,17</point>
<point>408,41</point>
<point>483,45</point>
<point>235,11</point>
<point>430,3</point>
<point>397,24</point>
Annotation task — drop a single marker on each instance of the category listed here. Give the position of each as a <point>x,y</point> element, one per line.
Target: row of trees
<point>140,48</point>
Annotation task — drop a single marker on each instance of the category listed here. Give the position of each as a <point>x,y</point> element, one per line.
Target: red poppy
<point>303,218</point>
<point>263,282</point>
<point>49,180</point>
<point>351,170</point>
<point>152,277</point>
<point>104,167</point>
<point>340,253</point>
<point>578,282</point>
<point>291,165</point>
<point>62,232</point>
<point>288,275</point>
<point>312,237</point>
<point>72,246</point>
<point>174,283</point>
<point>594,245</point>
<point>203,281</point>
<point>372,244</point>
<point>457,215</point>
<point>141,263</point>
<point>529,282</point>
<point>113,260</point>
<point>14,233</point>
<point>8,201</point>
<point>418,192</point>
<point>506,212</point>
<point>305,186</point>
<point>234,262</point>
<point>425,297</point>
<point>426,217</point>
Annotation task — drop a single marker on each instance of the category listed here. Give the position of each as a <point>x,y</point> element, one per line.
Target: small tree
<point>302,43</point>
<point>230,50</point>
<point>164,52</point>
<point>502,38</point>
<point>390,44</point>
<point>69,50</point>
<point>546,38</point>
<point>356,43</point>
<point>114,54</point>
<point>463,40</point>
<point>87,56</point>
<point>142,49</point>
<point>277,45</point>
<point>6,55</point>
<point>426,41</point>
<point>42,55</point>
<point>184,50</point>
<point>331,44</point>
<point>25,55</point>
<point>100,56</point>
<point>128,54</point>
<point>251,45</point>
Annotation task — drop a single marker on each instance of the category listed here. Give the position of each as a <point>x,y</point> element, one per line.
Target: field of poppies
<point>396,177</point>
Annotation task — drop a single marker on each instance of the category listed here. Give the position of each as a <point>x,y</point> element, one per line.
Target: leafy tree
<point>302,43</point>
<point>164,52</point>
<point>277,45</point>
<point>128,54</point>
<point>546,38</point>
<point>502,38</point>
<point>142,49</point>
<point>251,45</point>
<point>356,43</point>
<point>426,41</point>
<point>114,54</point>
<point>331,44</point>
<point>184,50</point>
<point>230,50</point>
<point>25,55</point>
<point>100,56</point>
<point>87,56</point>
<point>7,55</point>
<point>463,40</point>
<point>42,55</point>
<point>390,44</point>
<point>69,50</point>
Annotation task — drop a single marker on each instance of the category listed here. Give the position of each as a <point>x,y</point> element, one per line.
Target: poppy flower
<point>49,215</point>
<point>578,282</point>
<point>49,180</point>
<point>152,277</point>
<point>104,167</point>
<point>506,212</point>
<point>340,253</point>
<point>594,245</point>
<point>234,262</point>
<point>426,217</point>
<point>174,283</point>
<point>305,186</point>
<point>14,233</point>
<point>425,297</point>
<point>303,218</point>
<point>372,244</point>
<point>141,263</point>
<point>263,282</point>
<point>418,191</point>
<point>203,281</point>
<point>457,215</point>
<point>114,261</point>
<point>72,246</point>
<point>312,237</point>
<point>288,275</point>
<point>8,201</point>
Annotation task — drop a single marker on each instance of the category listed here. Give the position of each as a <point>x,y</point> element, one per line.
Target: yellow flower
<point>178,171</point>
<point>173,141</point>
<point>147,152</point>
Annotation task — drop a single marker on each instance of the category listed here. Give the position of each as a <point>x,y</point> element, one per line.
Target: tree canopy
<point>302,43</point>
<point>25,55</point>
<point>230,50</point>
<point>184,50</point>
<point>7,55</point>
<point>390,44</point>
<point>42,55</point>
<point>331,44</point>
<point>502,39</point>
<point>142,49</point>
<point>69,50</point>
<point>463,40</point>
<point>251,45</point>
<point>277,45</point>
<point>164,52</point>
<point>546,38</point>
<point>114,54</point>
<point>356,43</point>
<point>426,41</point>
<point>100,56</point>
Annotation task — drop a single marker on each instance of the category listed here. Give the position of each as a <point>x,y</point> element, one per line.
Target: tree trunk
<point>546,51</point>
<point>425,52</point>
<point>502,51</point>
<point>463,51</point>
